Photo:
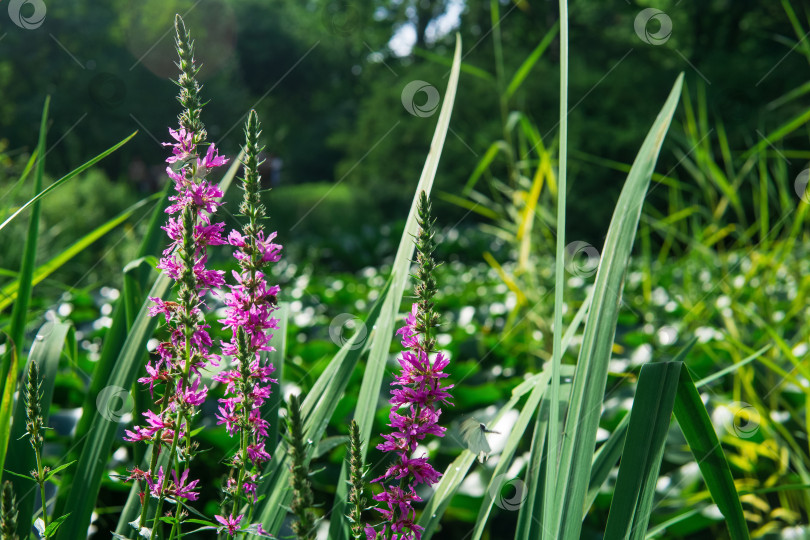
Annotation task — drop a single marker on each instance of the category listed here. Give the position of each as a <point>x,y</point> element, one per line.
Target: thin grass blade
<point>80,169</point>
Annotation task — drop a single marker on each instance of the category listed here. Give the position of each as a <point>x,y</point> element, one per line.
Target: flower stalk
<point>250,305</point>
<point>304,527</point>
<point>8,513</point>
<point>357,473</point>
<point>35,427</point>
<point>418,397</point>
<point>186,353</point>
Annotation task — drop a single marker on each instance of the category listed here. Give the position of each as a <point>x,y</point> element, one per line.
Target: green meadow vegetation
<point>590,218</point>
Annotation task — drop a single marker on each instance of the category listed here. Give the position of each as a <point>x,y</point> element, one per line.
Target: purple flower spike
<point>415,402</point>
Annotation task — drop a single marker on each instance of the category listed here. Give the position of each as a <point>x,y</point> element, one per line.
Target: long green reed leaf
<point>527,65</point>
<point>550,495</point>
<point>563,515</point>
<point>643,451</point>
<point>697,428</point>
<point>7,404</point>
<point>19,313</point>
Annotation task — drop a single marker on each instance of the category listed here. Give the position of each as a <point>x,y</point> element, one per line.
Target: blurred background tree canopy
<point>326,77</point>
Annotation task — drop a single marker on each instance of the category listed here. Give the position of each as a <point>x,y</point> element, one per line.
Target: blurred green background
<point>721,252</point>
<point>326,78</point>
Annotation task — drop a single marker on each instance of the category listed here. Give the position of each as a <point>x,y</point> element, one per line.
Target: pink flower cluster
<point>187,351</point>
<point>419,396</point>
<point>250,305</point>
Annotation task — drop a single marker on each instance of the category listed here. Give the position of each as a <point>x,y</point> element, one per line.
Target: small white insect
<point>474,434</point>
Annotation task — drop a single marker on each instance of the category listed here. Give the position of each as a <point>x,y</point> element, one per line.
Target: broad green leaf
<point>697,428</point>
<point>384,333</point>
<point>643,451</point>
<point>58,469</point>
<point>563,517</point>
<point>46,352</point>
<point>54,525</point>
<point>609,453</point>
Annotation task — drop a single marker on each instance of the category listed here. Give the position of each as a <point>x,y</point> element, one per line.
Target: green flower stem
<point>155,453</point>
